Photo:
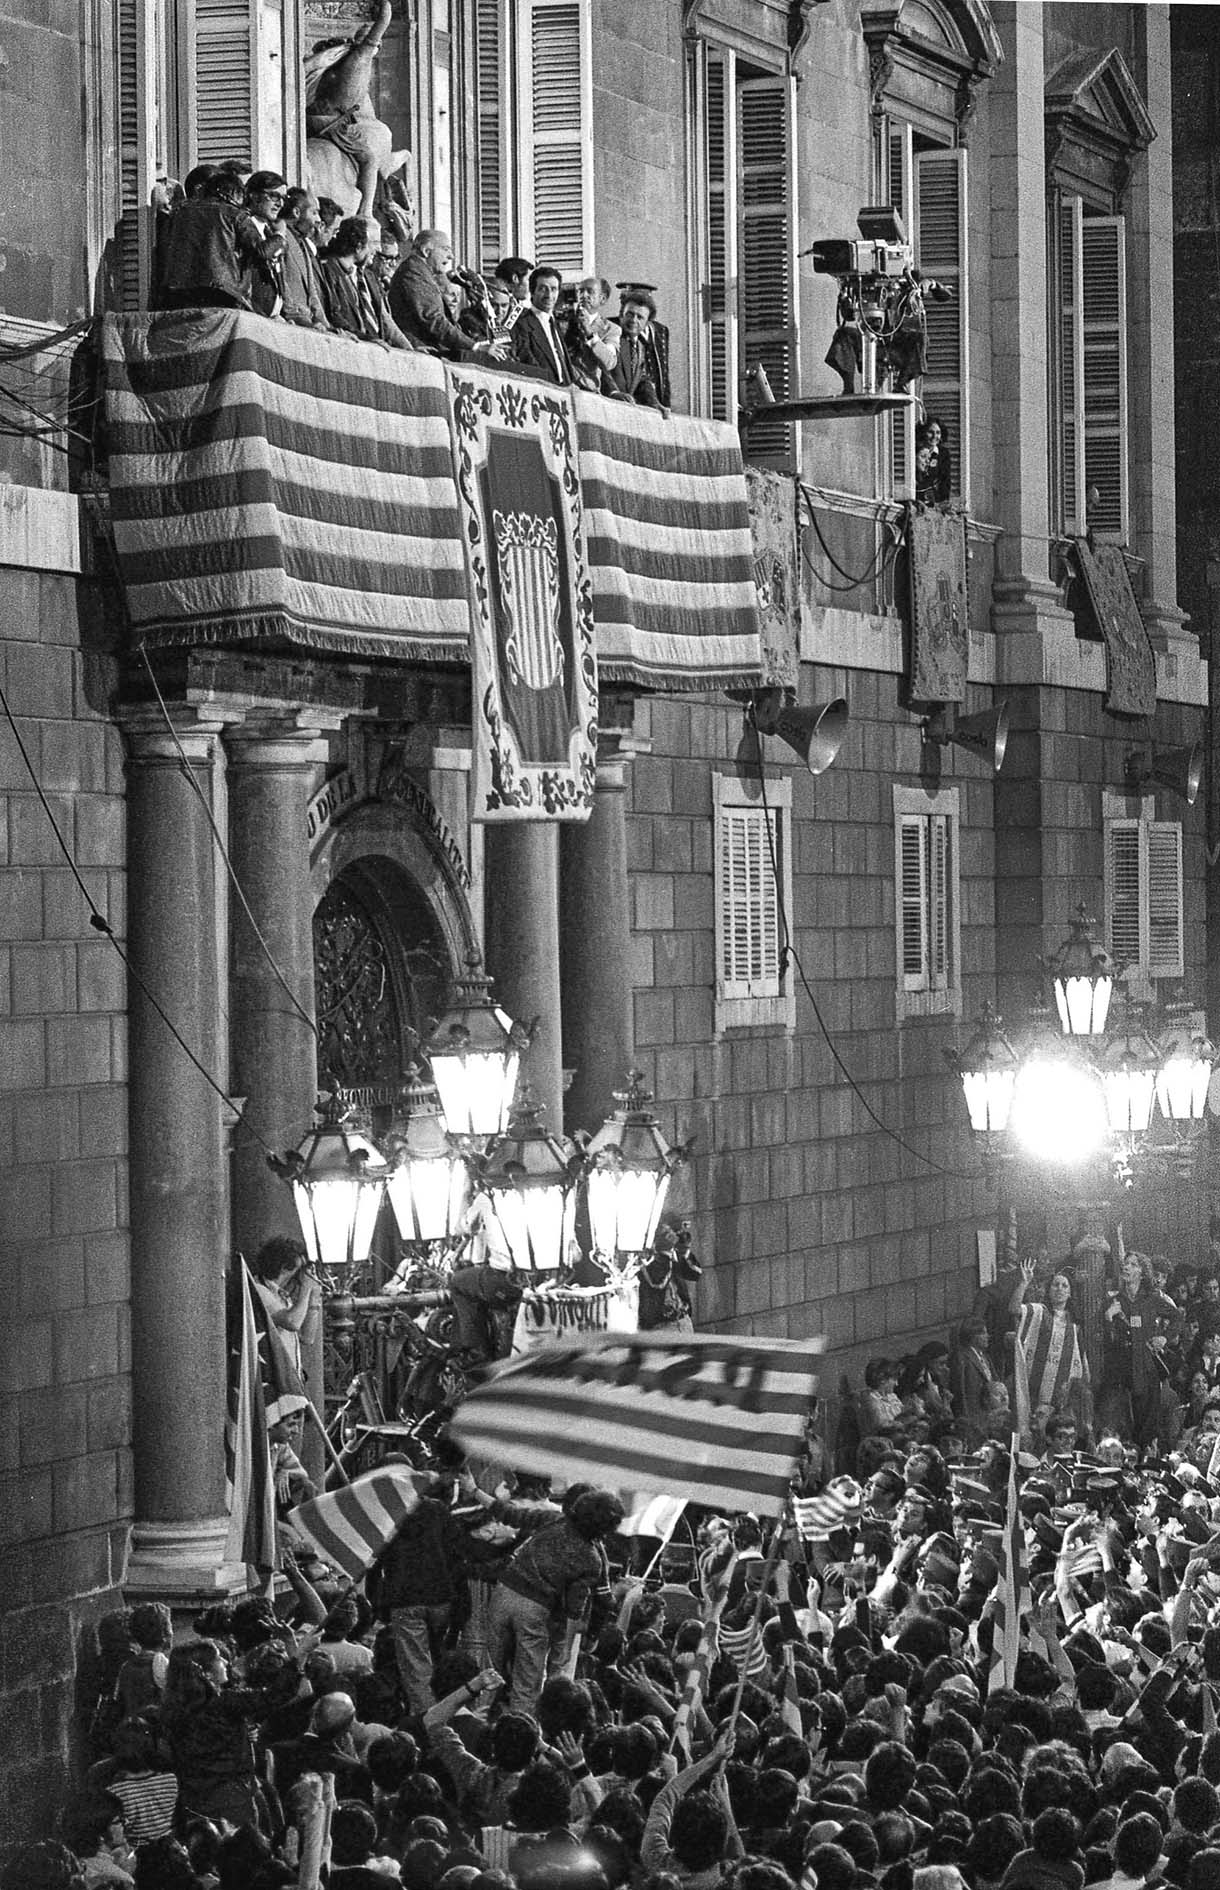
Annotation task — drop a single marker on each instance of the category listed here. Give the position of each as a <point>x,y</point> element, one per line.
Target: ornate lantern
<point>428,1181</point>
<point>337,1178</point>
<point>1083,974</point>
<point>988,1071</point>
<point>475,1055</point>
<point>1183,1080</point>
<point>628,1169</point>
<point>528,1186</point>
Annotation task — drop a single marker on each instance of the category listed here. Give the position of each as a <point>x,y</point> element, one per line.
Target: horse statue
<point>349,150</point>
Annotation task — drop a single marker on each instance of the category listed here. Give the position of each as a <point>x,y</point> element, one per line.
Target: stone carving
<point>349,150</point>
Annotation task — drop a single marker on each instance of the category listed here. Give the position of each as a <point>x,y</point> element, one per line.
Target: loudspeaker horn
<point>985,733</point>
<point>816,733</point>
<point>1178,769</point>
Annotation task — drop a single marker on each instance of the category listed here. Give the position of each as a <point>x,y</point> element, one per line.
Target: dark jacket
<point>303,303</point>
<point>212,252</point>
<point>424,1566</point>
<point>632,373</point>
<point>531,348</point>
<point>344,308</point>
<point>417,307</point>
<point>558,1567</point>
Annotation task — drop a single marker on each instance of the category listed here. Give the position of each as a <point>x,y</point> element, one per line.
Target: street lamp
<point>1129,1066</point>
<point>988,1069</point>
<point>337,1178</point>
<point>628,1169</point>
<point>1083,974</point>
<point>428,1181</point>
<point>1058,1105</point>
<point>475,1055</point>
<point>528,1184</point>
<point>1183,1079</point>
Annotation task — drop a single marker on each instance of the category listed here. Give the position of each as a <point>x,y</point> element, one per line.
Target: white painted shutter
<point>914,862</point>
<point>489,93</point>
<point>716,211</point>
<point>900,159</point>
<point>767,291</point>
<point>224,82</point>
<point>557,154</point>
<point>1071,364</point>
<point>1123,902</point>
<point>136,75</point>
<point>1104,365</point>
<point>749,964</point>
<point>941,254</point>
<point>940,916</point>
<point>1165,956</point>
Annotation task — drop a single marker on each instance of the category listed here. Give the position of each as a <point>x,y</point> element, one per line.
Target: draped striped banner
<point>1012,1595</point>
<point>671,553</point>
<point>271,483</point>
<point>350,1527</point>
<point>744,1647</point>
<point>627,1408</point>
<point>249,1482</point>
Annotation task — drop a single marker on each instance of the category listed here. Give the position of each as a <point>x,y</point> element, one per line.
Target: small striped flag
<point>744,1647</point>
<point>839,1506</point>
<point>350,1527</point>
<point>653,1516</point>
<point>1013,1601</point>
<point>249,1483</point>
<point>705,1654</point>
<point>625,1407</point>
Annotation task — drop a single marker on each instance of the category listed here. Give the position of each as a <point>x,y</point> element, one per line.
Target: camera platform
<point>826,407</point>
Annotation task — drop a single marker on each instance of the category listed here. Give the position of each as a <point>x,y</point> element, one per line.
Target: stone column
<point>595,948</point>
<point>521,931</point>
<point>179,1192</point>
<point>274,769</point>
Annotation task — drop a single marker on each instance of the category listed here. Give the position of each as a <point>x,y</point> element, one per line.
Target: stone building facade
<point>703,145</point>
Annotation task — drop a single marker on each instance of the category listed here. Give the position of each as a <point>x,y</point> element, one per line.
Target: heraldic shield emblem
<point>531,608</point>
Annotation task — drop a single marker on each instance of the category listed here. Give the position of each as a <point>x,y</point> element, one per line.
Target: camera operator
<point>291,1294</point>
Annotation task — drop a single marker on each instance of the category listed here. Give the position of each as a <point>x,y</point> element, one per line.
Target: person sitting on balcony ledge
<point>417,303</point>
<point>215,250</point>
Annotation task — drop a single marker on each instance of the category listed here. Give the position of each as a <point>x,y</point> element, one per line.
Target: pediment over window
<point>771,31</point>
<point>927,58</point>
<point>1096,122</point>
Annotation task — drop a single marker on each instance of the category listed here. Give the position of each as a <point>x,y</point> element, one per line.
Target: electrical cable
<point>102,925</point>
<point>886,554</point>
<point>789,951</point>
<point>193,779</point>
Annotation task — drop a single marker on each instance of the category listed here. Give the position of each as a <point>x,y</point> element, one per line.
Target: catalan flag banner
<point>627,1408</point>
<point>350,1527</point>
<point>267,481</point>
<point>705,1654</point>
<point>839,1506</point>
<point>1012,1594</point>
<point>744,1647</point>
<point>249,1482</point>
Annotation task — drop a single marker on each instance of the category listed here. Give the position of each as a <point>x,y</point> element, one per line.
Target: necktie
<point>368,312</point>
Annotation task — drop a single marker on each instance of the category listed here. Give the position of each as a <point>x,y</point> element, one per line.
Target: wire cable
<point>789,951</point>
<point>886,554</point>
<point>192,777</point>
<point>101,924</point>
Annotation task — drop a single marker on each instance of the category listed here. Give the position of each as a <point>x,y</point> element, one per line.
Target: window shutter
<point>224,82</point>
<point>557,158</point>
<point>913,892</point>
<point>749,965</point>
<point>1104,350</point>
<point>489,91</point>
<point>1071,363</point>
<point>1123,928</point>
<point>767,276</point>
<point>940,917</point>
<point>1165,956</point>
<point>717,259</point>
<point>900,158</point>
<point>136,61</point>
<point>941,252</point>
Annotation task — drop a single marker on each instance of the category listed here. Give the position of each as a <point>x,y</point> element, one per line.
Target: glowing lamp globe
<point>629,1166</point>
<point>1059,1109</point>
<point>988,1071</point>
<point>428,1181</point>
<point>1183,1079</point>
<point>1083,974</point>
<point>337,1178</point>
<point>475,1056</point>
<point>1128,1078</point>
<point>529,1184</point>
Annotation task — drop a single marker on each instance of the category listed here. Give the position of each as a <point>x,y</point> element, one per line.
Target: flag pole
<point>336,1461</point>
<point>777,1535</point>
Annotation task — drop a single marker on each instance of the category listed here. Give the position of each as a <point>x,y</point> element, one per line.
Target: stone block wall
<point>65,1390</point>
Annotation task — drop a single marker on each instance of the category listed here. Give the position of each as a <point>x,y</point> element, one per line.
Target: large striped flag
<point>350,1527</point>
<point>697,1673</point>
<point>1012,1594</point>
<point>249,1483</point>
<point>627,1407</point>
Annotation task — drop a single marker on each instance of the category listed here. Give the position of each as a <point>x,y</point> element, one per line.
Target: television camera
<point>881,317</point>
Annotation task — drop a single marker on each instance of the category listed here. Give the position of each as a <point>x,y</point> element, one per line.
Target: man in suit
<point>417,303</point>
<point>538,346</point>
<point>350,305</point>
<point>379,272</point>
<point>302,285</point>
<point>655,334</point>
<point>633,373</point>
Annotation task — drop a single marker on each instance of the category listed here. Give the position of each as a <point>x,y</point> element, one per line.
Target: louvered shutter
<point>749,963</point>
<point>239,85</point>
<point>136,61</point>
<point>940,915</point>
<point>557,162</point>
<point>1123,902</point>
<point>490,92</point>
<point>716,108</point>
<point>767,295</point>
<point>900,176</point>
<point>941,253</point>
<point>914,863</point>
<point>1070,391</point>
<point>1104,364</point>
<point>1164,901</point>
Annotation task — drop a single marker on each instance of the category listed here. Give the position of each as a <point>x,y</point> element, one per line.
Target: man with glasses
<point>217,254</point>
<point>266,193</point>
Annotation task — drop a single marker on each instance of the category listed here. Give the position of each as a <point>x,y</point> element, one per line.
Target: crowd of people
<point>231,239</point>
<point>518,1696</point>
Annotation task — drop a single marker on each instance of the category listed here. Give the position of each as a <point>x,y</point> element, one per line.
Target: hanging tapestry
<point>1130,662</point>
<point>772,497</point>
<point>940,623</point>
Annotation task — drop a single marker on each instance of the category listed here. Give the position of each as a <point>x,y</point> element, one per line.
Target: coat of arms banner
<point>533,663</point>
